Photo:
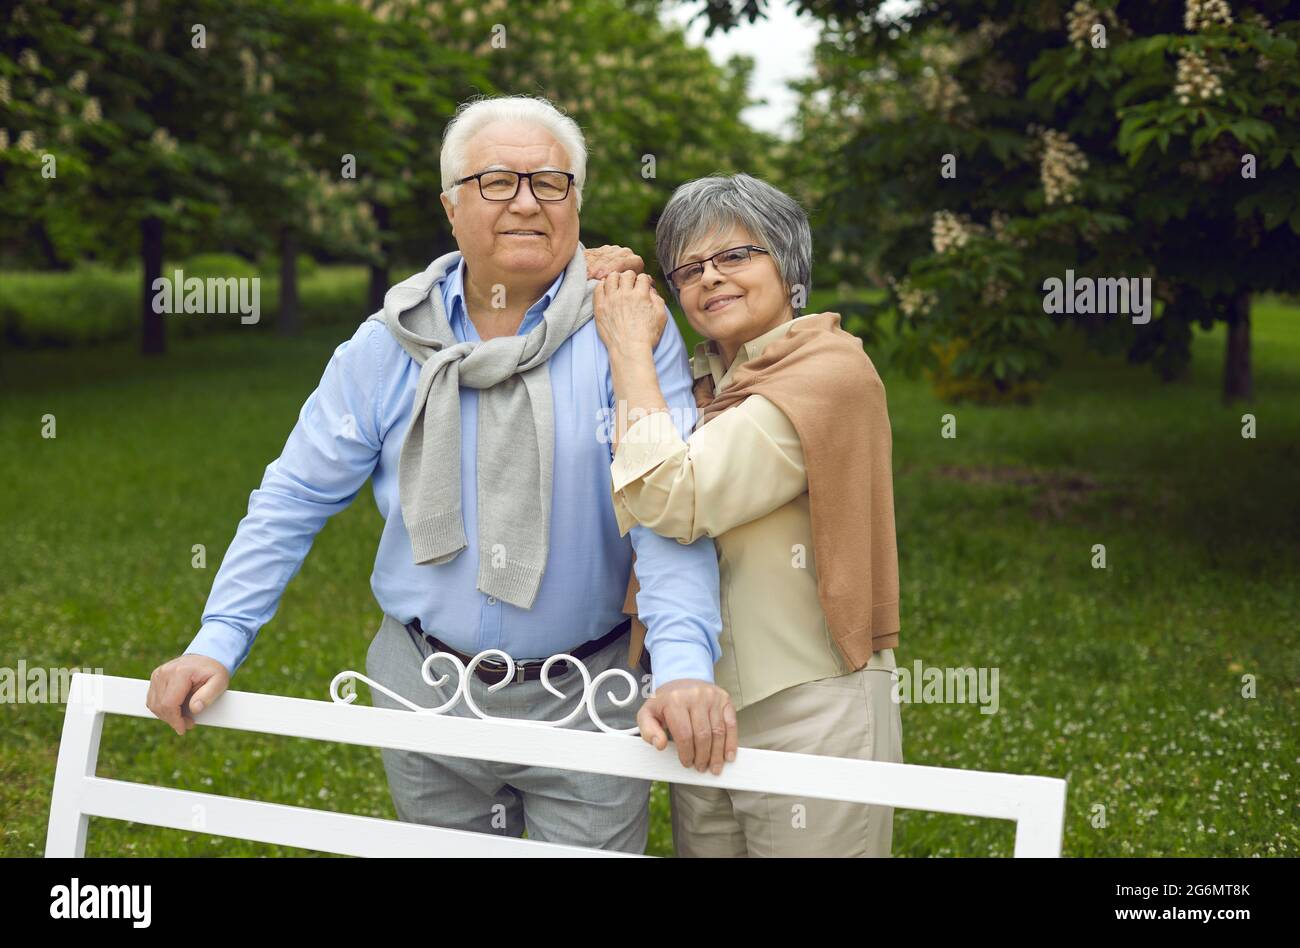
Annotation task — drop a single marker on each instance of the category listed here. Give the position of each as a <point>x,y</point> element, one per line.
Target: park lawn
<point>1126,681</point>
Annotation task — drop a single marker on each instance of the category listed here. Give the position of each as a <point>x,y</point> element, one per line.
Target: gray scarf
<point>516,430</point>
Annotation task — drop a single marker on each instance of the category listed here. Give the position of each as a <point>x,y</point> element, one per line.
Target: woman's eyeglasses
<point>724,261</point>
<point>504,185</point>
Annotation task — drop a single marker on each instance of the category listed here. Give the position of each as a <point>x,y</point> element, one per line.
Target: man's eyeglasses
<point>504,185</point>
<point>724,261</point>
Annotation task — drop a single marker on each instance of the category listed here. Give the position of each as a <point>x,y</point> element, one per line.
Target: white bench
<point>1036,804</point>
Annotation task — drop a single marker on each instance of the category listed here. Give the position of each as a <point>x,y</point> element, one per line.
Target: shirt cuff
<point>223,642</point>
<point>650,441</point>
<point>675,660</point>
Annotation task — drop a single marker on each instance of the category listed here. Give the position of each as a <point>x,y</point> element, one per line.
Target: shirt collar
<point>708,360</point>
<point>457,312</point>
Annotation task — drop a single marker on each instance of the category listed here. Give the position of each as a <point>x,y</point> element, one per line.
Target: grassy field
<point>1126,681</point>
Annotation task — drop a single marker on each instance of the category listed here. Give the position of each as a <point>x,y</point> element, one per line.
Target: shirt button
<point>492,601</point>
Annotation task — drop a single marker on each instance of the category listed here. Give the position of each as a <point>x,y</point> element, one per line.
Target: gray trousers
<point>560,806</point>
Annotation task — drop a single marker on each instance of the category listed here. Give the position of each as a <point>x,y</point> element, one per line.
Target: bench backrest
<point>1035,804</point>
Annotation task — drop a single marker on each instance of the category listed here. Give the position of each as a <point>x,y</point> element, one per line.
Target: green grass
<point>93,305</point>
<point>1126,680</point>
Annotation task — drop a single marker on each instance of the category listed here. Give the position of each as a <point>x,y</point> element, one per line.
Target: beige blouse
<point>774,633</point>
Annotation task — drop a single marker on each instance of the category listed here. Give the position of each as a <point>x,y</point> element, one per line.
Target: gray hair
<point>474,115</point>
<point>712,205</point>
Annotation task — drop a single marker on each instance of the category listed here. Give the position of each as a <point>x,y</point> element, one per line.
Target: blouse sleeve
<point>742,465</point>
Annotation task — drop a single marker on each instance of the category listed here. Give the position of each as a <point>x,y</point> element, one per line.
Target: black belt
<point>492,670</point>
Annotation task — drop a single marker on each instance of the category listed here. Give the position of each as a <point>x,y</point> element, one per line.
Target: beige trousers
<point>846,716</point>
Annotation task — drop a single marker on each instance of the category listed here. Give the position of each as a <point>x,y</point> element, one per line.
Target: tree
<point>230,124</point>
<point>976,148</point>
<point>152,153</point>
<point>45,114</point>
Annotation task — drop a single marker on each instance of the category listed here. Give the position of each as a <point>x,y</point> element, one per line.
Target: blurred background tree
<point>271,129</point>
<point>967,150</point>
<point>953,155</point>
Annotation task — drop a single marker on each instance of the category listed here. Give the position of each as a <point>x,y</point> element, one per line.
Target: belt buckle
<point>521,668</point>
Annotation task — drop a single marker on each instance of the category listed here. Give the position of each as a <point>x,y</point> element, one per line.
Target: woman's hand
<point>602,261</point>
<point>630,316</point>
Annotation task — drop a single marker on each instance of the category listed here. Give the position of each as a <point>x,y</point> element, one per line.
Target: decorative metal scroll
<point>590,689</point>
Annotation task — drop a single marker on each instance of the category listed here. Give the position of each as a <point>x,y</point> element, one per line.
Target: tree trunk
<point>290,321</point>
<point>52,260</point>
<point>1238,384</point>
<point>379,271</point>
<point>153,332</point>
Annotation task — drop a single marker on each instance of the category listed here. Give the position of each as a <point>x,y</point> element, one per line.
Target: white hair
<point>474,115</point>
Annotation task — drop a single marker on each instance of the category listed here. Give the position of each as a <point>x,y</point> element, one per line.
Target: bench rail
<point>1036,804</point>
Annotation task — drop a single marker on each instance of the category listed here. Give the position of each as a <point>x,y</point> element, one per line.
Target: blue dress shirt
<point>352,427</point>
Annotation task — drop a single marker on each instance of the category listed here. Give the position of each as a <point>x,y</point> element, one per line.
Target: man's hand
<point>602,261</point>
<point>700,717</point>
<point>183,687</point>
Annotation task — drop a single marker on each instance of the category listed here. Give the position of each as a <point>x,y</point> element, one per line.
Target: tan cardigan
<point>823,381</point>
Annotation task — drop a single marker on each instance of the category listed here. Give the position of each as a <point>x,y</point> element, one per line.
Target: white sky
<point>782,46</point>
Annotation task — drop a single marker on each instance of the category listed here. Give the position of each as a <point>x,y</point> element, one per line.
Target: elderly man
<point>474,400</point>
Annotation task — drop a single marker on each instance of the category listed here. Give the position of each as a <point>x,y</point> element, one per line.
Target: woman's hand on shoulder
<point>630,314</point>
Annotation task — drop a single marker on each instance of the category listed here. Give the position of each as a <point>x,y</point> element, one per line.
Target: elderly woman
<point>788,469</point>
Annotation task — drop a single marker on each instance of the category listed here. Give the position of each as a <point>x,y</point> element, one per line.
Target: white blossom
<point>913,301</point>
<point>1200,14</point>
<point>163,141</point>
<point>1061,160</point>
<point>948,232</point>
<point>1197,78</point>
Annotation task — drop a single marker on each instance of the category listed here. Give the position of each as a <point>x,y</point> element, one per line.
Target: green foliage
<point>224,120</point>
<point>219,265</point>
<point>1115,154</point>
<point>93,304</point>
<point>269,266</point>
<point>90,304</point>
